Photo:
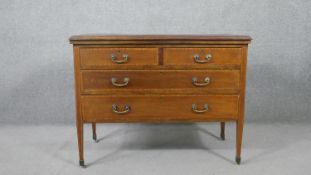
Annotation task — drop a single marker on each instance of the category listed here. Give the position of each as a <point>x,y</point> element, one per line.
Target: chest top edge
<point>160,39</point>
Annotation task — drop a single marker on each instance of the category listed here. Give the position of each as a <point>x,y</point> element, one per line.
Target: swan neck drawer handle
<point>115,59</point>
<point>114,82</point>
<point>206,82</point>
<point>208,58</point>
<point>116,110</point>
<point>196,110</point>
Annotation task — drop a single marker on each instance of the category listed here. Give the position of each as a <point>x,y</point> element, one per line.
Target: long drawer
<point>153,108</point>
<point>97,82</point>
<point>117,57</point>
<point>202,57</point>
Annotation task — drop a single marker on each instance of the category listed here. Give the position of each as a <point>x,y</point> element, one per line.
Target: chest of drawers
<point>160,78</point>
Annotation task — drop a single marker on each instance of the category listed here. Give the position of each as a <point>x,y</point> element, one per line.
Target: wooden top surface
<point>93,37</point>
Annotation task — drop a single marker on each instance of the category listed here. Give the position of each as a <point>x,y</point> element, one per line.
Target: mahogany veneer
<point>160,78</point>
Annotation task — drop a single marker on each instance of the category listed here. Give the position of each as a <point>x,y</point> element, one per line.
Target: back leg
<point>94,131</point>
<point>222,130</point>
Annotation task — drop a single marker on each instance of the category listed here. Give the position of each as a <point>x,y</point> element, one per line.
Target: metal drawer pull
<point>115,83</point>
<point>208,58</point>
<point>195,82</point>
<point>116,110</point>
<point>194,108</point>
<point>115,60</point>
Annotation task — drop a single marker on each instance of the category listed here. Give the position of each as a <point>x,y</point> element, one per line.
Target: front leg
<point>80,142</point>
<point>239,133</point>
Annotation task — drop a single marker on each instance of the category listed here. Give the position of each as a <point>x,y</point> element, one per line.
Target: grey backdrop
<point>36,70</point>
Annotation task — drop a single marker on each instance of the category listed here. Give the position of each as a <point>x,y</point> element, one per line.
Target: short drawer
<point>103,57</point>
<point>162,108</point>
<point>97,82</point>
<point>202,57</point>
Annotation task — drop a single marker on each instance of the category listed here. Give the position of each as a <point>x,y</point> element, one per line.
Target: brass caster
<point>81,163</point>
<point>95,138</point>
<point>238,160</point>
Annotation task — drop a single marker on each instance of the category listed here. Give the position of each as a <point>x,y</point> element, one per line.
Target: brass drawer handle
<point>115,83</point>
<point>116,109</point>
<point>206,82</point>
<point>196,110</point>
<point>208,58</point>
<point>115,59</point>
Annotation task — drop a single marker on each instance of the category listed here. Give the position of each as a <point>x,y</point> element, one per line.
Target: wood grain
<point>100,81</point>
<point>79,119</point>
<point>160,68</point>
<point>99,38</point>
<point>101,57</point>
<point>99,108</point>
<point>185,56</point>
<point>240,121</point>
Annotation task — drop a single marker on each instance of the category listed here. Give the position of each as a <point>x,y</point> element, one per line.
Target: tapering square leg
<point>94,132</point>
<point>239,133</point>
<point>80,142</point>
<point>222,130</point>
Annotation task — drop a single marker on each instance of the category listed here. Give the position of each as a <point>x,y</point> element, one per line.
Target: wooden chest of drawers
<point>160,78</point>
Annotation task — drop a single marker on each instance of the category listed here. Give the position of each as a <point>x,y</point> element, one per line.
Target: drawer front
<point>101,81</point>
<point>202,57</point>
<point>159,108</point>
<point>103,57</point>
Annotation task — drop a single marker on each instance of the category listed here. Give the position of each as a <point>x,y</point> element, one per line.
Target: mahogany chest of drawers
<point>160,78</point>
